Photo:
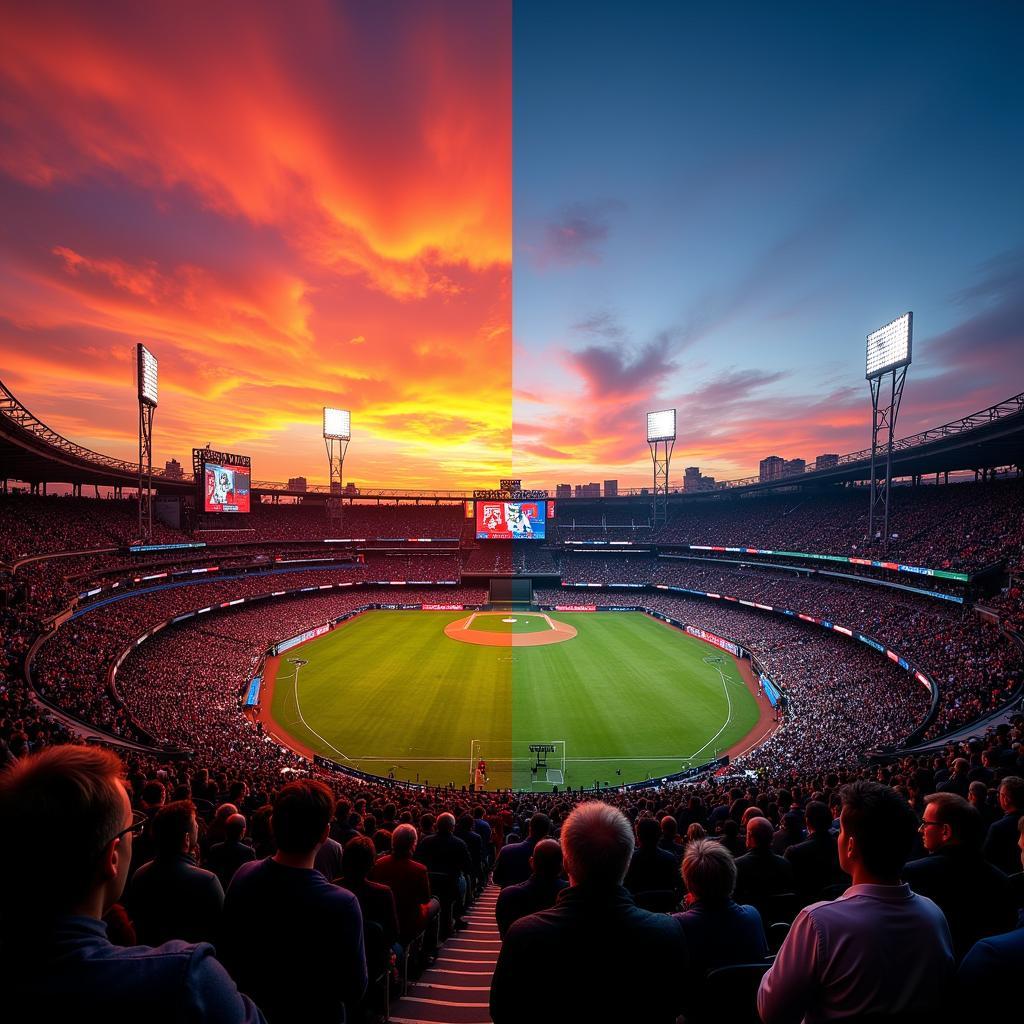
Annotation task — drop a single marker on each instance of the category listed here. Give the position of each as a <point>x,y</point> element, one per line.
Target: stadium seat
<point>777,933</point>
<point>781,907</point>
<point>658,901</point>
<point>730,993</point>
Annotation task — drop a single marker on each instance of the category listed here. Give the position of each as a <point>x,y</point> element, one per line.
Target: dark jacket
<point>224,859</point>
<point>294,942</point>
<point>816,865</point>
<point>170,898</point>
<point>652,869</point>
<point>761,873</point>
<point>974,896</point>
<point>445,854</point>
<point>591,957</point>
<point>513,863</point>
<point>1001,844</point>
<point>988,982</point>
<point>74,973</point>
<point>516,901</point>
<point>723,934</point>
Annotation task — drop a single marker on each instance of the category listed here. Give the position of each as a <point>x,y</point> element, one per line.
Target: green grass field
<point>388,691</point>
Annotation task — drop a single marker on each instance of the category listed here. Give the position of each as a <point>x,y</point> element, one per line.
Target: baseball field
<point>426,696</point>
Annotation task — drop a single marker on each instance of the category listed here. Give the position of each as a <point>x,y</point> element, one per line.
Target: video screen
<point>510,520</point>
<point>226,488</point>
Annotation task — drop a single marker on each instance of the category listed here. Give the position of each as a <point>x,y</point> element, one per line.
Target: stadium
<point>352,714</point>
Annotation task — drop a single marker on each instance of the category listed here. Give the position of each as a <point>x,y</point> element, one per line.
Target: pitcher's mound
<point>460,630</point>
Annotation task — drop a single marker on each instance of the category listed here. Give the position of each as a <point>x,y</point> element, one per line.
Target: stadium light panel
<point>889,346</point>
<point>337,424</point>
<point>661,426</point>
<point>147,367</point>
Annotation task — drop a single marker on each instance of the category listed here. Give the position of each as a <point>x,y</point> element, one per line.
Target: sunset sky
<point>499,233</point>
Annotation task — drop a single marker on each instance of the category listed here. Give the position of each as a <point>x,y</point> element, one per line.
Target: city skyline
<point>499,234</point>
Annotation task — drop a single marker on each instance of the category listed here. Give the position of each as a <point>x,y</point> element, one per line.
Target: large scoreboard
<point>223,479</point>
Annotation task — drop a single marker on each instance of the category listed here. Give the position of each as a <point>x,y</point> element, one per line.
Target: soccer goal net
<point>517,764</point>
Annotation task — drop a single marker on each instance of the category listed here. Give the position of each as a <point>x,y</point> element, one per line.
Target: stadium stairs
<point>455,989</point>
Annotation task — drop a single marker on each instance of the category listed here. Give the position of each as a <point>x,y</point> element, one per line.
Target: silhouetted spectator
<point>293,940</point>
<point>225,858</point>
<point>651,868</point>
<point>759,872</point>
<point>1001,841</point>
<point>513,863</point>
<point>169,897</point>
<point>548,959</point>
<point>538,892</point>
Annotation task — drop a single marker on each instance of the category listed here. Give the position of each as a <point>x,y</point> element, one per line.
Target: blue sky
<point>713,205</point>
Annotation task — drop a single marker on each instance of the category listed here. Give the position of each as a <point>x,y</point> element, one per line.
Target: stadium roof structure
<point>32,452</point>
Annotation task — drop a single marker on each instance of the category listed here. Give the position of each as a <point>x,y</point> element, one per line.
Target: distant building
<point>693,480</point>
<point>772,468</point>
<point>563,491</point>
<point>172,469</point>
<point>826,461</point>
<point>591,490</point>
<point>794,467</point>
<point>611,488</point>
<point>296,483</point>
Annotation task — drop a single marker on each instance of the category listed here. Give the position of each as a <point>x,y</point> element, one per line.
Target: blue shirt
<point>76,973</point>
<point>723,934</point>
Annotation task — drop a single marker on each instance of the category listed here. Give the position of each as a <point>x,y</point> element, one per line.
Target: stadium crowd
<point>684,880</point>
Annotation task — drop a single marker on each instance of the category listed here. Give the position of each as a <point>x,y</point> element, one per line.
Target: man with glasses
<point>974,895</point>
<point>68,830</point>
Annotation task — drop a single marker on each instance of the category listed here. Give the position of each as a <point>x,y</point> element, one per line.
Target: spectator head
<point>302,816</point>
<point>546,859</point>
<point>234,828</point>
<point>950,820</point>
<point>1011,794</point>
<point>382,840</point>
<point>357,858</point>
<point>961,766</point>
<point>67,834</point>
<point>669,828</point>
<point>403,840</point>
<point>597,843</point>
<point>709,871</point>
<point>977,793</point>
<point>445,824</point>
<point>750,812</point>
<point>759,834</point>
<point>793,822</point>
<point>175,829</point>
<point>540,826</point>
<point>1020,840</point>
<point>648,832</point>
<point>819,817</point>
<point>153,794</point>
<point>695,831</point>
<point>876,832</point>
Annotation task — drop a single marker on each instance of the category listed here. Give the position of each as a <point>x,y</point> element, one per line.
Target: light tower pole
<point>146,365</point>
<point>337,434</point>
<point>661,437</point>
<point>888,356</point>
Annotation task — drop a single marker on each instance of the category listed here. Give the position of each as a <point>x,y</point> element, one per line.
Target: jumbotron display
<point>226,488</point>
<point>511,520</point>
<point>224,480</point>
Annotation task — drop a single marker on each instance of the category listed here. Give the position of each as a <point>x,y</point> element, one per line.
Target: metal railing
<point>13,411</point>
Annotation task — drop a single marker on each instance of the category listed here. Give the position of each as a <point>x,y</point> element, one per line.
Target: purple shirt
<point>876,949</point>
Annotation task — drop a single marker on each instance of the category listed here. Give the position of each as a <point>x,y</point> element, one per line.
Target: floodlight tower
<point>661,436</point>
<point>147,381</point>
<point>337,434</point>
<point>888,356</point>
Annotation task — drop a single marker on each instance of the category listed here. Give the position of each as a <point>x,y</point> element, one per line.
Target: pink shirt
<point>878,948</point>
